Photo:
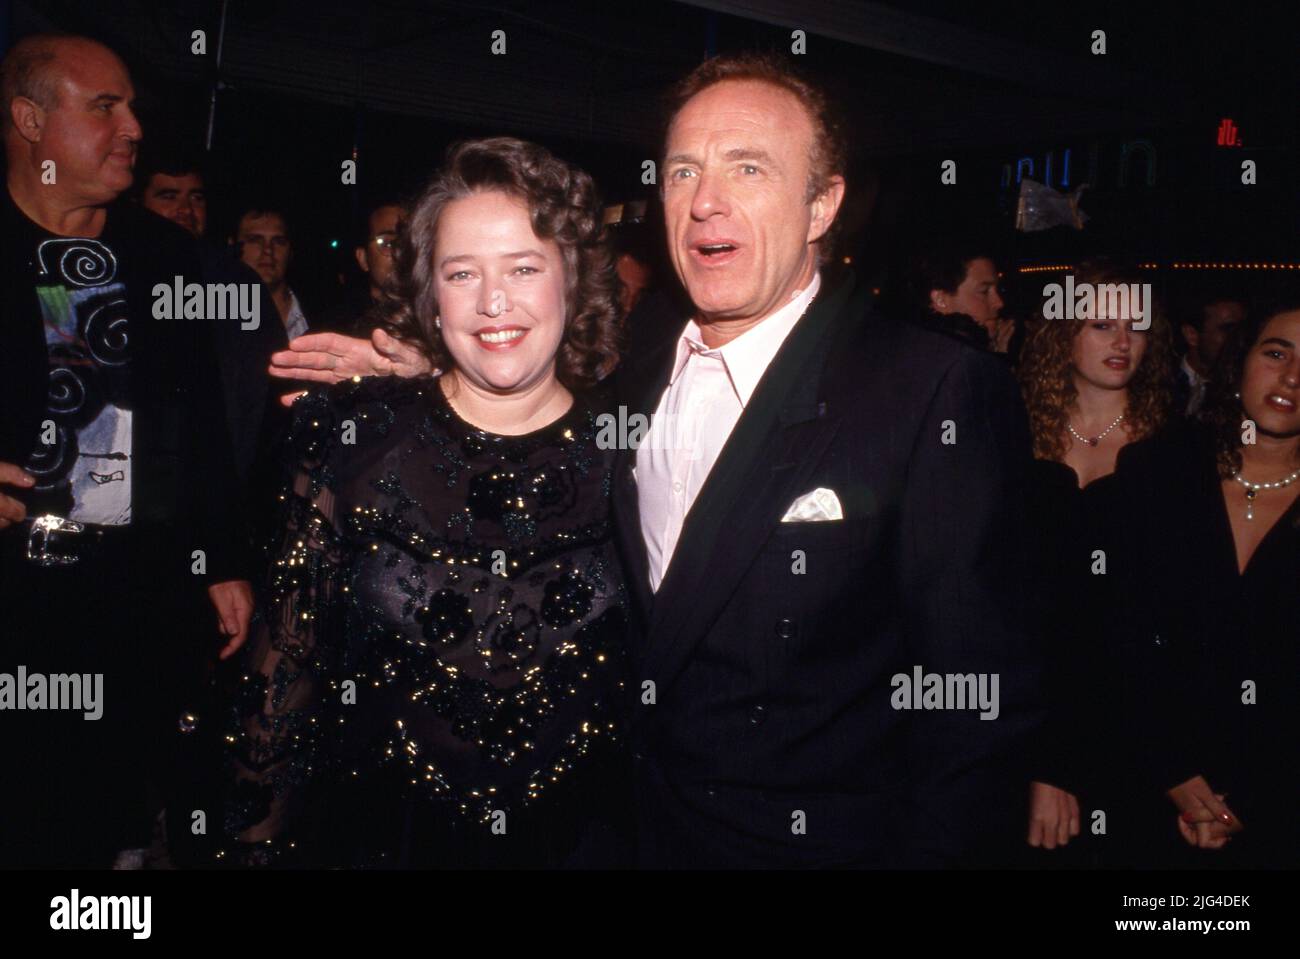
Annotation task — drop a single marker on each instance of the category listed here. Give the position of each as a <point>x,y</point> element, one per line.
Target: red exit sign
<point>1229,134</point>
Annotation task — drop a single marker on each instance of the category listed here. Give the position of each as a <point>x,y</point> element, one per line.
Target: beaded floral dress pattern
<point>445,610</point>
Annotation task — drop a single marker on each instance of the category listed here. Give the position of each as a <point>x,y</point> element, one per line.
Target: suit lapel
<point>762,467</point>
<point>627,534</point>
<point>639,390</point>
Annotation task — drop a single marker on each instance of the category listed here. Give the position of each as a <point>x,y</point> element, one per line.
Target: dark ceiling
<point>951,75</point>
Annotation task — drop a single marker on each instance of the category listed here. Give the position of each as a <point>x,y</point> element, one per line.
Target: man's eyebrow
<point>108,98</point>
<point>737,153</point>
<point>749,153</point>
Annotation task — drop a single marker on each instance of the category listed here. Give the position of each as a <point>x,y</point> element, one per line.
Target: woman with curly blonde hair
<point>1092,386</point>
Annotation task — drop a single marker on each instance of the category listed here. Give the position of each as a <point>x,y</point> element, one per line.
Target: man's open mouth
<point>715,250</point>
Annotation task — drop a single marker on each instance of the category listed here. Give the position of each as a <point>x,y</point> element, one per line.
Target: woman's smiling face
<point>1270,381</point>
<point>500,291</point>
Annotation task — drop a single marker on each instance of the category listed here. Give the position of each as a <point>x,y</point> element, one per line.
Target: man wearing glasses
<point>376,241</point>
<point>375,252</point>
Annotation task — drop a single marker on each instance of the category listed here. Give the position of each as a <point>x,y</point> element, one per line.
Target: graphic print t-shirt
<point>82,459</point>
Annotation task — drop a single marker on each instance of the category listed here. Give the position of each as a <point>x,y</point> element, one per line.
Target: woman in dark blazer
<point>1200,621</point>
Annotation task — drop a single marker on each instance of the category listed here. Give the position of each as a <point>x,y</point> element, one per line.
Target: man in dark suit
<point>115,481</point>
<point>824,509</point>
<point>174,185</point>
<point>1207,326</point>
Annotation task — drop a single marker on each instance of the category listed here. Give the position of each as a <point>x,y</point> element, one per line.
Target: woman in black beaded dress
<point>440,681</point>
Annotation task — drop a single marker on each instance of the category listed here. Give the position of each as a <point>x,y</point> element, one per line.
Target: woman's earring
<point>1237,394</point>
<point>437,321</point>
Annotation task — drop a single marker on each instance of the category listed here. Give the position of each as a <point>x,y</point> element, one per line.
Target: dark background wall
<point>307,85</point>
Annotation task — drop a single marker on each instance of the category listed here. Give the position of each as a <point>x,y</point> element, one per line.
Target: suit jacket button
<point>1160,640</point>
<point>784,628</point>
<point>758,714</point>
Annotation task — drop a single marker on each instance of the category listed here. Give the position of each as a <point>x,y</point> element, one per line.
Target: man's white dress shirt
<point>1196,388</point>
<point>707,391</point>
<point>295,323</point>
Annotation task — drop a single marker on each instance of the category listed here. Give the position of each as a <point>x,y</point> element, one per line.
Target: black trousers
<point>75,790</point>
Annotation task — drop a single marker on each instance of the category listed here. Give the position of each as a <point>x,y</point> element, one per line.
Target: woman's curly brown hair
<point>1224,413</point>
<point>1047,380</point>
<point>564,206</point>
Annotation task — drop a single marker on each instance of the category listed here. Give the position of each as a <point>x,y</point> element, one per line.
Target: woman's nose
<point>494,300</point>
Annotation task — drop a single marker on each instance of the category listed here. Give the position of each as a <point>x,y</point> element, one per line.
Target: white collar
<point>1196,379</point>
<point>747,357</point>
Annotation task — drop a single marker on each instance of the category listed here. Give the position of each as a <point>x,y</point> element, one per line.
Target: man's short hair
<point>943,265</point>
<point>361,229</point>
<point>29,71</point>
<point>1199,297</point>
<point>829,154</point>
<point>829,149</point>
<point>260,209</point>
<point>168,160</point>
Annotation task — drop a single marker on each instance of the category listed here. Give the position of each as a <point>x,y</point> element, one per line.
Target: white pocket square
<point>815,507</point>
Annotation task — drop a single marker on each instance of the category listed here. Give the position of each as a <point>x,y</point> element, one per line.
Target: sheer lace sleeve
<point>276,736</point>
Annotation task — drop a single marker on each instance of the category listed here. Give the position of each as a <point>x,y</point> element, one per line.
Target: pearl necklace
<point>1096,439</point>
<point>1253,488</point>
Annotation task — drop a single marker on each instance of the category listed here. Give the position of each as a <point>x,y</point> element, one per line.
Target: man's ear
<point>360,253</point>
<point>824,208</point>
<point>28,117</point>
<point>938,301</point>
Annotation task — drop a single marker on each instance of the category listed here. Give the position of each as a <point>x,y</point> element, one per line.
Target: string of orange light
<point>1058,268</point>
